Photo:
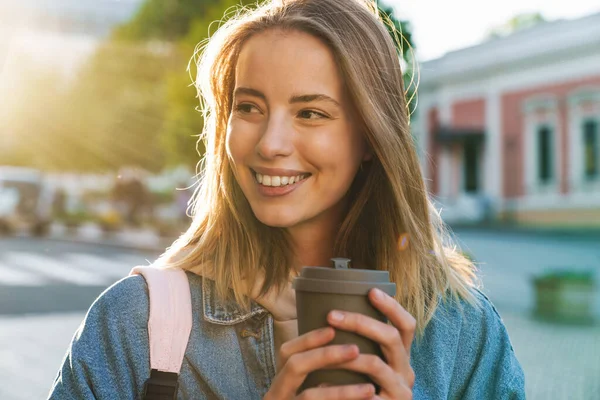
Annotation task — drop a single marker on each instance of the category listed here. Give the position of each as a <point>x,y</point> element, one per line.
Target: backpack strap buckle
<point>161,386</point>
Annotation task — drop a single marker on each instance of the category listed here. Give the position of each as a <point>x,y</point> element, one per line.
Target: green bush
<point>76,218</point>
<point>163,197</point>
<point>556,276</point>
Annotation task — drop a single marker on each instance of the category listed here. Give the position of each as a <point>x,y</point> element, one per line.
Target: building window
<point>591,149</point>
<point>545,161</point>
<point>471,166</point>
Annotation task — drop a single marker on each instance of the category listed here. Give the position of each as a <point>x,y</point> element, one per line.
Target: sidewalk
<point>560,362</point>
<point>31,352</point>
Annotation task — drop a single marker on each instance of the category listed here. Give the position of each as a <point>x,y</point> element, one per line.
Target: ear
<point>368,150</point>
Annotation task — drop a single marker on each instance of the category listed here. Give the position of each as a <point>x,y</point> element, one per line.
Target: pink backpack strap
<point>170,320</point>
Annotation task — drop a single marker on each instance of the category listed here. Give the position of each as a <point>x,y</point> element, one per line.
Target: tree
<point>401,33</point>
<point>187,22</point>
<point>167,20</point>
<point>114,112</point>
<point>517,23</point>
<point>30,120</point>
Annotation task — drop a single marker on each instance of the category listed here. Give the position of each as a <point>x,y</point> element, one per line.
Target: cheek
<point>336,166</point>
<point>237,142</point>
<point>342,153</point>
<point>230,143</point>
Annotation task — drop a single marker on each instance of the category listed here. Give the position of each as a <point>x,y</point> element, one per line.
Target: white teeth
<point>267,180</point>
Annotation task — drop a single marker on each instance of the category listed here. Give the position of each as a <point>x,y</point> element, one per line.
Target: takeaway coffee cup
<point>320,290</point>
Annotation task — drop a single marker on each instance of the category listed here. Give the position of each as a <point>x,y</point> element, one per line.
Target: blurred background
<point>98,153</point>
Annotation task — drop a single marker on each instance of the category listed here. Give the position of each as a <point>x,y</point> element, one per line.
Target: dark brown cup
<point>320,290</point>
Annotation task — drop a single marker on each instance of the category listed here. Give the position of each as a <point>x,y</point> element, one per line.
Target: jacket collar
<point>225,312</point>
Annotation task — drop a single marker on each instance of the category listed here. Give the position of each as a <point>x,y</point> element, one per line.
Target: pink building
<point>511,128</point>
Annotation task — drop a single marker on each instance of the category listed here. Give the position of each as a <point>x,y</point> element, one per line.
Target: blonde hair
<point>388,198</point>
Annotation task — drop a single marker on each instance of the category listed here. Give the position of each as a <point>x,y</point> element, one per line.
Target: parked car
<point>25,201</point>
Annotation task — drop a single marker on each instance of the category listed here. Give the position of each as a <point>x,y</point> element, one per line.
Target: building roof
<point>546,42</point>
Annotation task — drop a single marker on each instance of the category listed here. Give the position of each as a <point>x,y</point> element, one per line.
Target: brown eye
<point>246,108</point>
<point>311,114</point>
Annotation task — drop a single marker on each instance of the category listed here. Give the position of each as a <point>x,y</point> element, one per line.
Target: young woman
<point>309,156</point>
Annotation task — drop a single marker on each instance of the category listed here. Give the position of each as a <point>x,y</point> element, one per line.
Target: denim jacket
<point>231,354</point>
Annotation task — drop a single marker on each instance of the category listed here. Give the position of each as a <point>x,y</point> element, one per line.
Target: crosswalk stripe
<point>53,268</point>
<point>98,264</point>
<point>15,277</point>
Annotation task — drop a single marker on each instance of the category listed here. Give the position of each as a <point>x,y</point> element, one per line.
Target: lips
<point>277,171</point>
<point>276,181</point>
<point>271,185</point>
<point>269,179</point>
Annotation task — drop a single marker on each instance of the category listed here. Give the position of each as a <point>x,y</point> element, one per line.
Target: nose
<point>276,140</point>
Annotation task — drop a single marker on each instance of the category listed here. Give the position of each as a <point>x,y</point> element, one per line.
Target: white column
<point>445,107</point>
<point>493,163</point>
<point>531,156</point>
<point>446,165</point>
<point>445,173</point>
<point>458,180</point>
<point>576,159</point>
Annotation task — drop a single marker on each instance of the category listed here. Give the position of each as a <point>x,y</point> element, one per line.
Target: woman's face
<point>292,137</point>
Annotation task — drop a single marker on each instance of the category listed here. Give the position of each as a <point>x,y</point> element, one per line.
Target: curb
<point>111,243</point>
<point>92,234</point>
<point>576,233</point>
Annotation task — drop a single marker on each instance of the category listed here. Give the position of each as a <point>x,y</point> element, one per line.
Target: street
<point>46,286</point>
<point>38,276</point>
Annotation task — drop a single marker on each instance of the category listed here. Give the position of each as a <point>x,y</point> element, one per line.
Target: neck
<point>313,244</point>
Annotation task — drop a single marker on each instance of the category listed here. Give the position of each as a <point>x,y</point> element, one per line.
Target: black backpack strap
<point>161,386</point>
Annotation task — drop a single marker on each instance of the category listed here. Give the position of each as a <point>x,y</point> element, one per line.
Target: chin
<point>276,220</point>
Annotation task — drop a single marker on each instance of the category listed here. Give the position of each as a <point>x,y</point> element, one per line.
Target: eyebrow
<point>305,98</point>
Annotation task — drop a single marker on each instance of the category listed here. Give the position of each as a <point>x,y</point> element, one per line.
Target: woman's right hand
<point>307,353</point>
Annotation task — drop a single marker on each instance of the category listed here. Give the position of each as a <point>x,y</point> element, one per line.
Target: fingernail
<point>336,316</point>
<point>366,388</point>
<point>350,348</point>
<point>377,294</point>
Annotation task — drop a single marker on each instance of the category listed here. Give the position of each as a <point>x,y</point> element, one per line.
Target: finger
<point>386,335</point>
<point>378,370</point>
<point>397,315</point>
<point>366,326</point>
<point>308,341</point>
<point>299,365</point>
<point>350,392</point>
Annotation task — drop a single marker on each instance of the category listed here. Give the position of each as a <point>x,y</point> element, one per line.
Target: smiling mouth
<point>278,181</point>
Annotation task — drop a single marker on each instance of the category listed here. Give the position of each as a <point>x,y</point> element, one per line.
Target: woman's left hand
<point>396,377</point>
